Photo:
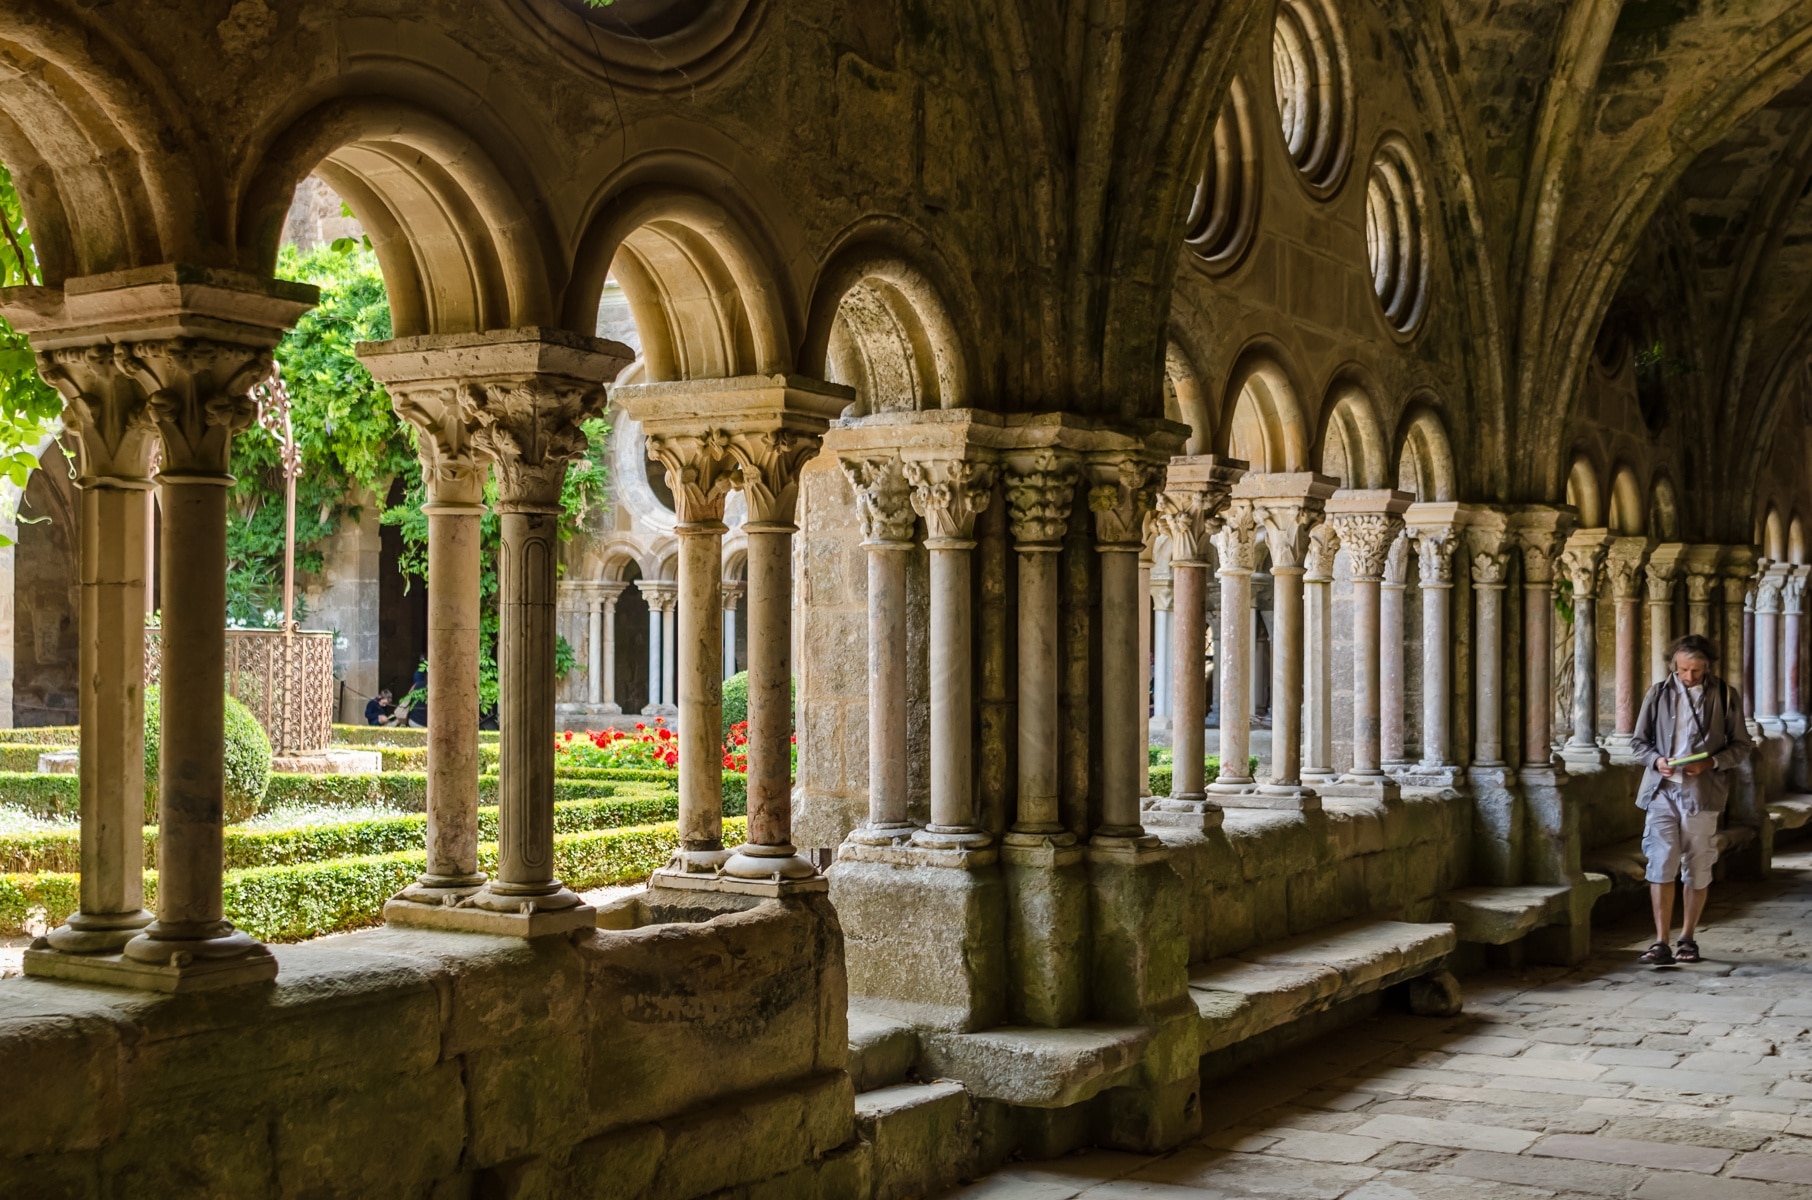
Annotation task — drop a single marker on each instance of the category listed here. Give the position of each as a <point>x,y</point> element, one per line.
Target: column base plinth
<point>436,891</point>
<point>888,834</point>
<point>1135,891</point>
<point>1039,838</point>
<point>767,863</point>
<point>190,974</point>
<point>1432,775</point>
<point>1773,726</point>
<point>1171,812</point>
<point>1580,757</point>
<point>768,886</point>
<point>1285,796</point>
<point>97,933</point>
<point>1364,787</point>
<point>1753,726</point>
<point>1231,787</point>
<point>942,837</point>
<point>1047,909</point>
<point>1122,844</point>
<point>1795,723</point>
<point>561,912</point>
<point>917,854</point>
<point>708,861</point>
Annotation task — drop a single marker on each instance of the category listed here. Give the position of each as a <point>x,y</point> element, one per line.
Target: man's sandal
<point>1687,951</point>
<point>1657,955</point>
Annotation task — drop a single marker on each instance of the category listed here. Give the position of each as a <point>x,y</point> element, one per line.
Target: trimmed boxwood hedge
<point>23,756</point>
<point>63,736</point>
<point>290,903</point>
<point>41,795</point>
<point>394,735</point>
<point>1161,776</point>
<point>415,758</point>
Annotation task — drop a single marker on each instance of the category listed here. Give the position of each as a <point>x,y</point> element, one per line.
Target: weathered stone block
<point>1047,934</point>
<point>167,1151</point>
<point>526,1097</point>
<point>1141,956</point>
<point>754,1136</point>
<point>342,1142</point>
<point>619,1165</point>
<point>882,1051</point>
<point>922,1136</point>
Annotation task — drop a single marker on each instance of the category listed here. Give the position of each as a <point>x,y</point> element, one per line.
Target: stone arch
<point>884,326</point>
<point>1186,398</point>
<point>707,300</point>
<point>736,560</point>
<point>1628,515</point>
<point>1263,422</point>
<point>1773,535</point>
<point>1584,494</point>
<point>1425,467</point>
<point>1663,509</point>
<point>453,236</point>
<point>1796,541</point>
<point>617,555</point>
<point>97,148</point>
<point>665,562</point>
<point>1353,449</point>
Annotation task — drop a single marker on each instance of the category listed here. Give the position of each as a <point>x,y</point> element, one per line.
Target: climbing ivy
<point>28,408</point>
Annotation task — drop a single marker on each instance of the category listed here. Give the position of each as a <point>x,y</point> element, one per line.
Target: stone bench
<point>1497,916</point>
<point>1790,812</point>
<point>1270,986</point>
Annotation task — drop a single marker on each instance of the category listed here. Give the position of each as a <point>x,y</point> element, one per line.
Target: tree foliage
<point>28,408</point>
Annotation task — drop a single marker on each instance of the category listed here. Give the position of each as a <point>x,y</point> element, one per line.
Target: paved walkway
<point>1693,1083</point>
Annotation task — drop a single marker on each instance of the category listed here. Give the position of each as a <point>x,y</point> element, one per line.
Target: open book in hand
<point>1701,756</point>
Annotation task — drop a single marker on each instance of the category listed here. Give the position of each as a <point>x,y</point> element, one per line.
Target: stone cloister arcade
<point>1454,355</point>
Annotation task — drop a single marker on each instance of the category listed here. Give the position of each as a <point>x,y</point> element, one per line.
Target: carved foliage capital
<point>1287,531</point>
<point>883,498</point>
<point>1185,519</point>
<point>530,429</point>
<point>1793,591</point>
<point>767,471</point>
<point>1122,496</point>
<point>1396,561</point>
<point>1434,556</point>
<point>700,473</point>
<point>442,414</point>
<point>1236,541</point>
<point>1540,547</point>
<point>1581,564</point>
<point>1040,494</point>
<point>1489,569</point>
<point>1658,582</point>
<point>949,493</point>
<point>198,392</point>
<point>1367,538</point>
<point>1324,544</point>
<point>1768,593</point>
<point>104,408</point>
<point>1623,567</point>
<point>1699,585</point>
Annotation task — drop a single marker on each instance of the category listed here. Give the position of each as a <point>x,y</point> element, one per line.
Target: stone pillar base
<point>1286,797</point>
<point>1584,758</point>
<point>925,932</point>
<point>1381,788</point>
<point>1163,812</point>
<point>1773,726</point>
<point>1141,967</point>
<point>571,716</point>
<point>116,970</point>
<point>461,918</point>
<point>1498,819</point>
<point>1151,1119</point>
<point>1552,852</point>
<point>1047,901</point>
<point>771,887</point>
<point>1795,724</point>
<point>1432,775</point>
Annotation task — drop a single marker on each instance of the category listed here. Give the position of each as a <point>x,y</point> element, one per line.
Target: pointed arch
<point>1628,515</point>
<point>1584,493</point>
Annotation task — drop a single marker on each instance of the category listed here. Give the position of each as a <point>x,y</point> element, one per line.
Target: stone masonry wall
<point>674,1061</point>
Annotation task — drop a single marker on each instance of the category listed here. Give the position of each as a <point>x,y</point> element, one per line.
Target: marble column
<point>949,493</point>
<point>1793,591</point>
<point>1318,658</point>
<point>1163,606</point>
<point>1290,506</point>
<point>1124,489</point>
<point>163,353</point>
<point>1736,573</point>
<point>732,594</point>
<point>1624,570</point>
<point>1583,560</point>
<point>884,507</point>
<point>1040,488</point>
<point>1768,596</point>
<point>1499,810</point>
<point>1658,579</point>
<point>1391,657</point>
<point>769,458</point>
<point>115,437</point>
<point>1235,545</point>
<point>670,648</point>
<point>1147,695</point>
<point>1490,567</point>
<point>655,594</point>
<point>1188,512</point>
<point>1435,544</point>
<point>1368,522</point>
<point>526,414</point>
<point>1539,533</point>
<point>607,670</point>
<point>428,379</point>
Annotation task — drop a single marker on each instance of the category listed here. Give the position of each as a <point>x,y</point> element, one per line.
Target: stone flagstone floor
<point>1693,1083</point>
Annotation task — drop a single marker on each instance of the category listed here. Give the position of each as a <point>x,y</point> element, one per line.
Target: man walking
<point>1691,734</point>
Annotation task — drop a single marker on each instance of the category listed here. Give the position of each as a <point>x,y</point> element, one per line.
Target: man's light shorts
<point>1678,845</point>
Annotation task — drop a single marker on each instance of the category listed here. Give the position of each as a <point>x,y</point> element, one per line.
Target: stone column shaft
<point>1768,649</point>
<point>1488,635</point>
<point>594,654</point>
<point>454,568</point>
<point>1038,756</point>
<point>1318,658</point>
<point>609,669</point>
<point>1233,648</point>
<point>883,505</point>
<point>655,604</point>
<point>1538,637</point>
<point>1368,524</point>
<point>1437,673</point>
<point>1629,639</point>
<point>1161,656</point>
<point>729,650</point>
<point>1189,699</point>
<point>670,650</point>
<point>698,655</point>
<point>526,578</point>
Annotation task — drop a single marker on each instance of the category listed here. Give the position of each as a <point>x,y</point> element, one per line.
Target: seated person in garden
<point>380,709</point>
<point>1690,734</point>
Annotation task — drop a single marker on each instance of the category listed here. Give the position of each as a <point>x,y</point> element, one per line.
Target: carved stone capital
<point>700,473</point>
<point>531,429</point>
<point>197,390</point>
<point>106,410</point>
<point>1699,585</point>
<point>1162,597</point>
<point>1435,546</point>
<point>1189,506</point>
<point>883,498</point>
<point>768,463</point>
<point>1122,492</point>
<point>1367,538</point>
<point>1582,564</point>
<point>949,493</point>
<point>1489,570</point>
<point>1324,544</point>
<point>1236,541</point>
<point>1396,561</point>
<point>1288,528</point>
<point>1623,567</point>
<point>1793,592</point>
<point>1041,489</point>
<point>1658,582</point>
<point>453,472</point>
<point>1540,550</point>
<point>1768,592</point>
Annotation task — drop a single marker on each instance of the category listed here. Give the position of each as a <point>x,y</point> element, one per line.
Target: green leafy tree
<point>28,408</point>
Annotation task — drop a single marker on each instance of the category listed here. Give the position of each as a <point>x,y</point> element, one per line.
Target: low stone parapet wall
<point>673,1060</point>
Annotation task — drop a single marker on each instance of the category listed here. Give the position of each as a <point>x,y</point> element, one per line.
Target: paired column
<point>1490,570</point>
<point>1624,569</point>
<point>1538,533</point>
<point>1658,579</point>
<point>656,594</point>
<point>884,508</point>
<point>1318,658</point>
<point>115,438</point>
<point>1163,604</point>
<point>1391,657</point>
<point>607,657</point>
<point>1434,569</point>
<point>1368,522</point>
<point>1582,560</point>
<point>1235,545</point>
<point>949,493</point>
<point>1289,506</point>
<point>1122,493</point>
<point>1768,596</point>
<point>427,388</point>
<point>1793,592</point>
<point>1736,575</point>
<point>1188,512</point>
<point>733,591</point>
<point>1040,488</point>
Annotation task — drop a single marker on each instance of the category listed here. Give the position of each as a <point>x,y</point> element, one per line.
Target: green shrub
<point>41,795</point>
<point>394,735</point>
<point>415,758</point>
<point>404,790</point>
<point>23,756</point>
<point>1161,777</point>
<point>247,758</point>
<point>50,850</point>
<point>62,736</point>
<point>736,700</point>
<point>49,897</point>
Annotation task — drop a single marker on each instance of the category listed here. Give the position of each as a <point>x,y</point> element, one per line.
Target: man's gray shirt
<point>1718,731</point>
